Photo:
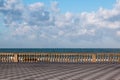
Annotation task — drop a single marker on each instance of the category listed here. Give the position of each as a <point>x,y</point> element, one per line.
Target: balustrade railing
<point>61,57</point>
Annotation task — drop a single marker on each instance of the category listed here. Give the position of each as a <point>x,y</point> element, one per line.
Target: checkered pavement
<point>59,71</point>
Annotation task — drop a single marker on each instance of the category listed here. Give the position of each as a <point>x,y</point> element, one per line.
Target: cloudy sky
<point>59,23</point>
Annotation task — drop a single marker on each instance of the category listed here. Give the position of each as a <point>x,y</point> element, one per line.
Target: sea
<point>62,50</point>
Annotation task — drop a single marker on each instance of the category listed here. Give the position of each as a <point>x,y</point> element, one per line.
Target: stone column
<point>93,57</point>
<point>118,58</point>
<point>15,58</point>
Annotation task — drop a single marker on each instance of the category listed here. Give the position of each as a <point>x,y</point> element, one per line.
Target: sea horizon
<point>62,50</point>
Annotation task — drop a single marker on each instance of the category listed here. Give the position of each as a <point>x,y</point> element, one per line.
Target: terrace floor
<point>59,71</point>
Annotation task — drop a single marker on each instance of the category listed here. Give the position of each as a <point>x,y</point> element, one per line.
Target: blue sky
<point>59,23</point>
<point>76,6</point>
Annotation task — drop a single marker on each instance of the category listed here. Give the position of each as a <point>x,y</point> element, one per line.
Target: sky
<point>59,23</point>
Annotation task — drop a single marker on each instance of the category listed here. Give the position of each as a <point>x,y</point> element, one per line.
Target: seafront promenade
<point>59,64</point>
<point>59,71</point>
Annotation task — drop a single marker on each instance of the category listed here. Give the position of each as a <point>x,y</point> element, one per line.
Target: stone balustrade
<point>61,57</point>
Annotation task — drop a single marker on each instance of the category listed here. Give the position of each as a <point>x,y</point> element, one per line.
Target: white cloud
<point>60,33</point>
<point>54,7</point>
<point>118,33</point>
<point>37,6</point>
<point>68,16</point>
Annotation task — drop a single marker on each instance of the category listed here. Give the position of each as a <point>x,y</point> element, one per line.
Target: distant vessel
<point>62,55</point>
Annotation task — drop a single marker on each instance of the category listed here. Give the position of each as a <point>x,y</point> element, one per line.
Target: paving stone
<point>56,71</point>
